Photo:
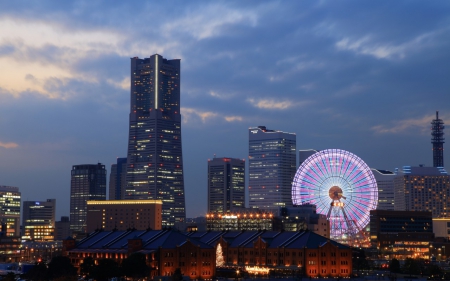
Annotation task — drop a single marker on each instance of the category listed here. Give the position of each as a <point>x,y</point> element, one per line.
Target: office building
<point>226,185</point>
<point>155,158</point>
<point>117,179</point>
<point>422,189</point>
<point>272,167</point>
<point>123,215</point>
<point>88,182</point>
<point>437,139</point>
<point>62,228</point>
<point>10,199</point>
<point>401,234</point>
<point>385,184</point>
<point>38,220</point>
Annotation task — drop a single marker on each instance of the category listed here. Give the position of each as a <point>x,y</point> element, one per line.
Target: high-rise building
<point>422,189</point>
<point>117,179</point>
<point>62,228</point>
<point>88,182</point>
<point>226,185</point>
<point>385,184</point>
<point>272,167</point>
<point>437,139</point>
<point>155,159</point>
<point>303,154</point>
<point>10,198</point>
<point>38,220</point>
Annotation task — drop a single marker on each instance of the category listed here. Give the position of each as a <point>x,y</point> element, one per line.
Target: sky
<point>363,76</point>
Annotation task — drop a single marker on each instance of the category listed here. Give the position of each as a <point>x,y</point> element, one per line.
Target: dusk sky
<point>364,76</point>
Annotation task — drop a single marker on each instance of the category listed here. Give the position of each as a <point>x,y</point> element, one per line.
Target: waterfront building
<point>302,217</point>
<point>155,158</point>
<point>88,182</point>
<point>226,185</point>
<point>422,189</point>
<point>272,167</point>
<point>401,234</point>
<point>123,214</point>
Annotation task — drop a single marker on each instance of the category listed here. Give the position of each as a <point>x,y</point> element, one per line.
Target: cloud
<point>208,22</point>
<point>274,104</point>
<point>233,118</point>
<point>191,115</point>
<point>368,45</point>
<point>220,95</point>
<point>422,124</point>
<point>8,144</point>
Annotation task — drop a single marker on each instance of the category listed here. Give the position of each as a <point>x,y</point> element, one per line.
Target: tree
<point>106,269</point>
<point>87,267</point>
<point>219,256</point>
<point>177,275</point>
<point>411,266</point>
<point>135,266</point>
<point>37,273</point>
<point>60,266</point>
<point>394,266</point>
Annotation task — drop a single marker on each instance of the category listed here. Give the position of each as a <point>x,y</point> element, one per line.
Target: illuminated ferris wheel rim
<point>341,185</point>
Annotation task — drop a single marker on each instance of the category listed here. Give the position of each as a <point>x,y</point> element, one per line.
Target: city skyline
<point>360,76</point>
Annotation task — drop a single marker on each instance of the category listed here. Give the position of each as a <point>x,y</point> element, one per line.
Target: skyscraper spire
<point>437,139</point>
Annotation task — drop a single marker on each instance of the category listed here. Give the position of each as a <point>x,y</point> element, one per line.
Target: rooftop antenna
<point>437,139</point>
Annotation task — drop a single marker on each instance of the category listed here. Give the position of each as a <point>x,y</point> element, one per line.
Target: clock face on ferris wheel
<point>341,186</point>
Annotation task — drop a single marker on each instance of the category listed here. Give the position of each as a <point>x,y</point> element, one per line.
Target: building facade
<point>155,158</point>
<point>304,252</point>
<point>39,220</point>
<point>272,167</point>
<point>124,214</point>
<point>10,199</point>
<point>117,179</point>
<point>88,182</point>
<point>259,220</point>
<point>164,250</point>
<point>423,189</point>
<point>385,184</point>
<point>401,234</point>
<point>226,185</point>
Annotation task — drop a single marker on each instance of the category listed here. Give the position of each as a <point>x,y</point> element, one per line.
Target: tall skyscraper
<point>88,182</point>
<point>10,209</point>
<point>226,185</point>
<point>155,159</point>
<point>385,184</point>
<point>117,179</point>
<point>272,167</point>
<point>437,139</point>
<point>39,220</point>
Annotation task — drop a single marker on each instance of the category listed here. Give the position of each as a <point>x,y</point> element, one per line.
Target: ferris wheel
<point>341,186</point>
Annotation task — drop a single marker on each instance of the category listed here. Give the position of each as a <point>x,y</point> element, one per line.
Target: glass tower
<point>155,161</point>
<point>226,185</point>
<point>10,198</point>
<point>272,167</point>
<point>88,182</point>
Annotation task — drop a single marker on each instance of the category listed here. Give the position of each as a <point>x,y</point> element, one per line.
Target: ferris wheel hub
<point>335,192</point>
